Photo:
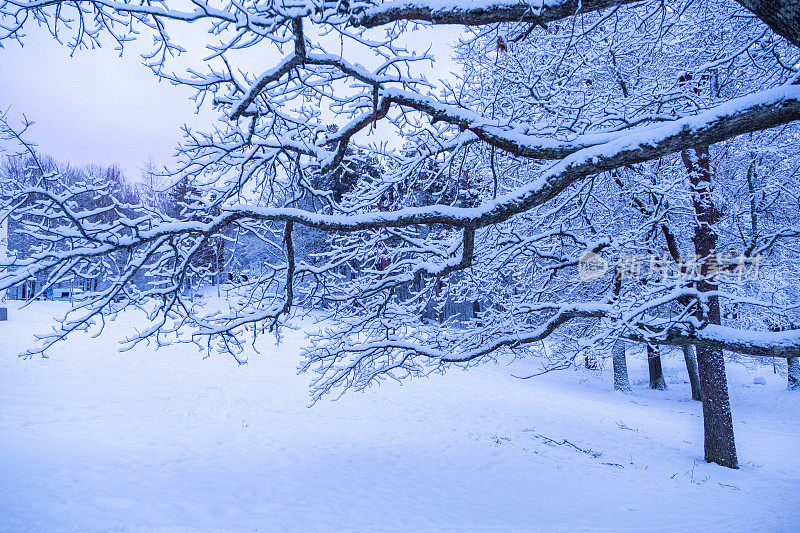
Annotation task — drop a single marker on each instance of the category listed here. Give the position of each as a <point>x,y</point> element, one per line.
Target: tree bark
<point>691,368</point>
<point>621,381</point>
<point>654,366</point>
<point>470,13</point>
<point>782,16</point>
<point>719,446</point>
<point>794,373</point>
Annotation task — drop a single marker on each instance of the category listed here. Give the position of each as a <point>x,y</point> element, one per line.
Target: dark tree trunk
<point>691,368</point>
<point>794,373</point>
<point>783,16</point>
<point>621,381</point>
<point>720,447</point>
<point>654,366</point>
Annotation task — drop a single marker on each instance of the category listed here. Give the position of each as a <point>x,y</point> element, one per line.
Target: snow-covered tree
<point>558,104</point>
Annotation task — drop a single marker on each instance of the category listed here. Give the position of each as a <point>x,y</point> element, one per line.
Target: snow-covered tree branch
<point>437,223</point>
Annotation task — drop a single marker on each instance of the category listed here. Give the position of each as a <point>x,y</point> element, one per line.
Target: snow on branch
<point>430,223</point>
<point>475,13</point>
<point>754,112</point>
<point>782,16</point>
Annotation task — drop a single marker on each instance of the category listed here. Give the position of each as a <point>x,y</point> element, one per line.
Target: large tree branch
<point>754,112</point>
<point>754,343</point>
<point>782,16</point>
<point>471,13</point>
<point>511,138</point>
<point>746,342</point>
<point>743,115</point>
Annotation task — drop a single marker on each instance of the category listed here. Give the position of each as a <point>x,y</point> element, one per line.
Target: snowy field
<point>96,440</point>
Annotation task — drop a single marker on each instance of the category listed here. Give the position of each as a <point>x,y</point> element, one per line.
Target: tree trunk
<point>621,382</point>
<point>794,373</point>
<point>654,366</point>
<point>720,447</point>
<point>691,368</point>
<point>783,16</point>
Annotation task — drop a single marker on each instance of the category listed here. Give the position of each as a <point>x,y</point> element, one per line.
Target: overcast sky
<point>98,107</point>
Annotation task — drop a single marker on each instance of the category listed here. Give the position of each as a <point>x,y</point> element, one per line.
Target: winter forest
<point>414,265</point>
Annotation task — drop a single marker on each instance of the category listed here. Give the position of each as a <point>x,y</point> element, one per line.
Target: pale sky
<point>98,107</point>
<point>94,107</point>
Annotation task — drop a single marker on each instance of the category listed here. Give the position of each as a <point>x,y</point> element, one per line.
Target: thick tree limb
<point>782,344</point>
<point>754,112</point>
<point>511,138</point>
<point>782,16</point>
<point>755,343</point>
<point>751,113</point>
<point>470,13</point>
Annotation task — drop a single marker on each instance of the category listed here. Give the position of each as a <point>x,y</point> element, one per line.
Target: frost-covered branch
<point>455,234</point>
<point>471,13</point>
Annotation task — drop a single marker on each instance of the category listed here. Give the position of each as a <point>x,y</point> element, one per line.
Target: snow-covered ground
<point>96,440</point>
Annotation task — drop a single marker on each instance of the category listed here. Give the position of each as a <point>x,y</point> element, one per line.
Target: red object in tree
<point>501,45</point>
